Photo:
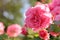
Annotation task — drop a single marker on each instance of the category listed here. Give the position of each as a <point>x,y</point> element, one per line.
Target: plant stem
<point>14,38</point>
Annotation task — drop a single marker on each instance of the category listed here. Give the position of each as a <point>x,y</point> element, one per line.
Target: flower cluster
<point>40,20</point>
<point>39,17</point>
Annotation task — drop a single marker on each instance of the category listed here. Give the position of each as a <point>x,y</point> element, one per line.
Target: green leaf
<point>3,37</point>
<point>30,36</point>
<point>36,35</point>
<point>37,38</point>
<point>27,38</point>
<point>30,31</point>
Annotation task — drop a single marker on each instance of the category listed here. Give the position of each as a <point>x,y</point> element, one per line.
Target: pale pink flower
<point>1,28</point>
<point>56,10</point>
<point>56,13</point>
<point>38,16</point>
<point>56,2</point>
<point>14,30</point>
<point>43,34</point>
<point>53,4</point>
<point>57,18</point>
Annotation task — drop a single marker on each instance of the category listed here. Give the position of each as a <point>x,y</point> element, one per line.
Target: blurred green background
<point>13,11</point>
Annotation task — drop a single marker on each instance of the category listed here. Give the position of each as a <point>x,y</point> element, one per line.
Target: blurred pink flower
<point>57,18</point>
<point>1,28</point>
<point>51,6</point>
<point>56,13</point>
<point>55,9</point>
<point>38,16</point>
<point>14,30</point>
<point>43,34</point>
<point>54,34</point>
<point>54,3</point>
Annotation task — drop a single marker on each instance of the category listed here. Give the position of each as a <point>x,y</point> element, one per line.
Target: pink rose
<point>14,30</point>
<point>43,34</point>
<point>38,17</point>
<point>1,28</point>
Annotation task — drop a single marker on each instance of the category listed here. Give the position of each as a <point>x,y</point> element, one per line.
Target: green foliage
<point>34,1</point>
<point>30,31</point>
<point>54,28</point>
<point>55,38</point>
<point>35,38</point>
<point>12,8</point>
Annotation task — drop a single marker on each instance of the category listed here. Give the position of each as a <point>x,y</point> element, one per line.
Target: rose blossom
<point>43,34</point>
<point>38,17</point>
<point>24,30</point>
<point>13,30</point>
<point>1,28</point>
